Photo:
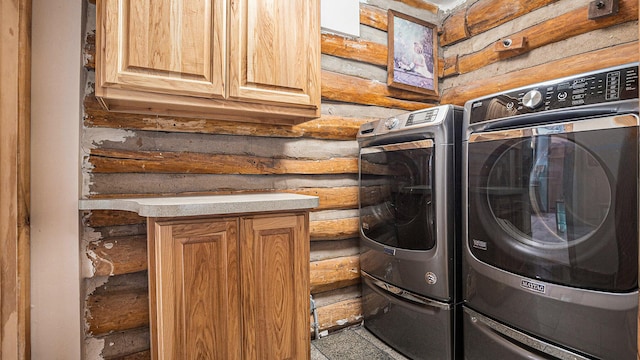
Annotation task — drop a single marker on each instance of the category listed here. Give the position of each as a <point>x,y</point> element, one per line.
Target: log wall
<point>127,155</point>
<point>550,39</point>
<point>134,155</point>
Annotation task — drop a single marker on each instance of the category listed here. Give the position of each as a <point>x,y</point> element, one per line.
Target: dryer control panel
<point>609,85</point>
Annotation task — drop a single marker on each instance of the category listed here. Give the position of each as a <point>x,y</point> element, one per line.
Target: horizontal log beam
<point>326,127</point>
<point>591,61</point>
<point>113,307</point>
<point>116,307</point>
<point>421,4</point>
<point>334,274</point>
<point>338,229</point>
<point>485,15</point>
<point>354,49</point>
<point>118,255</point>
<point>560,28</point>
<point>374,17</point>
<point>454,28</point>
<point>142,355</point>
<point>339,315</point>
<point>329,199</point>
<point>488,14</point>
<point>126,161</point>
<point>352,89</point>
<point>128,254</point>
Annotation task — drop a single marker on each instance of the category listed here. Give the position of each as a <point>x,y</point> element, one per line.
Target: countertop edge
<point>204,205</point>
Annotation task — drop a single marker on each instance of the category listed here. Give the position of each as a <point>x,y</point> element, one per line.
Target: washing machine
<point>550,227</point>
<point>409,209</point>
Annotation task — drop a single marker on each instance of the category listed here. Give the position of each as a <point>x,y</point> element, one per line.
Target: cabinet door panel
<point>194,290</point>
<point>275,287</point>
<point>166,46</point>
<point>274,51</point>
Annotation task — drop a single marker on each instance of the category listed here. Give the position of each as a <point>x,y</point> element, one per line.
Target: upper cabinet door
<point>274,51</point>
<point>162,46</point>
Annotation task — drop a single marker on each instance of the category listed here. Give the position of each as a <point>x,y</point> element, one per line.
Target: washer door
<point>558,202</point>
<point>396,198</point>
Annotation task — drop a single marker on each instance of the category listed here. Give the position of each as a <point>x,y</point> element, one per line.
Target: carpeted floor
<point>352,344</point>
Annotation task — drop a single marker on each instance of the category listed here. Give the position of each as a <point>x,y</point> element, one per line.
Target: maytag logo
<point>479,244</point>
<point>533,286</point>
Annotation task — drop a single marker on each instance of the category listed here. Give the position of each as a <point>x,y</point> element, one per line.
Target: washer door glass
<point>396,200</point>
<point>559,207</point>
<point>562,200</point>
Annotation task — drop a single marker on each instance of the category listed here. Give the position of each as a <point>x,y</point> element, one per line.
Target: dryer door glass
<point>396,200</point>
<point>556,204</point>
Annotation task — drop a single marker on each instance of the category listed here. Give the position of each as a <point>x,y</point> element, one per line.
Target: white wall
<point>55,122</point>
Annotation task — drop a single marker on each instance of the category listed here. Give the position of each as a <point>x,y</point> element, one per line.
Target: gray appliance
<point>550,227</point>
<point>410,232</point>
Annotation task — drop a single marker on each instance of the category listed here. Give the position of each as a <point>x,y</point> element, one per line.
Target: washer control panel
<point>613,84</point>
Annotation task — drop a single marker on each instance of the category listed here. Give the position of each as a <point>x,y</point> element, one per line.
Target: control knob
<point>532,99</point>
<point>390,123</point>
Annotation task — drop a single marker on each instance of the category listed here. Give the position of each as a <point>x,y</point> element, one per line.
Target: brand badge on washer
<point>533,286</point>
<point>430,278</point>
<point>479,244</point>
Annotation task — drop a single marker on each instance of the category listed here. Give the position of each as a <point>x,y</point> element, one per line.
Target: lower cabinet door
<point>194,289</point>
<point>275,287</point>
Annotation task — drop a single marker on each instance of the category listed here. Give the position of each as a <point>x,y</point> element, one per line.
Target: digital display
<point>422,117</point>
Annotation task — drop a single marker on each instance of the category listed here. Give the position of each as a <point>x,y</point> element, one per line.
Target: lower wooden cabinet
<point>230,287</point>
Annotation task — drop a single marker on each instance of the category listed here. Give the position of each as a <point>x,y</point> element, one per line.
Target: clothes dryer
<point>550,192</point>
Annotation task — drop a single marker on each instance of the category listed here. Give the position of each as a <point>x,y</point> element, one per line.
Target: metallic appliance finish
<point>412,296</point>
<point>520,317</point>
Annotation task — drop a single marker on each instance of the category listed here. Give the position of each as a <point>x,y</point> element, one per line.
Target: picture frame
<point>413,54</point>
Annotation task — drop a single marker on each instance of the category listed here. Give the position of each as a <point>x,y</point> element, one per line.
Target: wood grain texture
<point>421,4</point>
<point>210,59</point>
<point>334,273</point>
<point>373,16</point>
<point>194,290</point>
<point>560,28</point>
<point>168,47</point>
<point>326,127</point>
<point>122,303</point>
<point>345,88</point>
<point>354,49</point>
<point>488,14</point>
<point>454,28</point>
<point>15,102</point>
<point>124,161</point>
<point>118,255</point>
<point>450,66</point>
<point>339,315</point>
<point>274,51</point>
<point>591,61</point>
<point>124,296</point>
<point>334,229</point>
<point>275,287</point>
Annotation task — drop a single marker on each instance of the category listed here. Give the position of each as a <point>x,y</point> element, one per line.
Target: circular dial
<point>532,99</point>
<point>391,123</point>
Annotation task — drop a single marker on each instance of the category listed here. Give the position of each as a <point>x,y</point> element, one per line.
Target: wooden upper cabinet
<point>244,60</point>
<point>274,52</point>
<point>163,46</point>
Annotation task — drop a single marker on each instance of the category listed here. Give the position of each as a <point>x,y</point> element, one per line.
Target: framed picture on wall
<point>413,56</point>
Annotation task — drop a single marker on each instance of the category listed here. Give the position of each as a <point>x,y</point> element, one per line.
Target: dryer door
<point>558,203</point>
<point>396,198</point>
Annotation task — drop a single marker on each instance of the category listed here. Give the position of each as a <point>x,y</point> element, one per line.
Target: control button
<point>532,99</point>
<point>563,95</point>
<point>390,123</point>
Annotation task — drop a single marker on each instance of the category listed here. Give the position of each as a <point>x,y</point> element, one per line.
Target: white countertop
<point>204,205</point>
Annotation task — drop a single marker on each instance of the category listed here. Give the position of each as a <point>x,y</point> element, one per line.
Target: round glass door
<point>559,207</point>
<point>565,199</point>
